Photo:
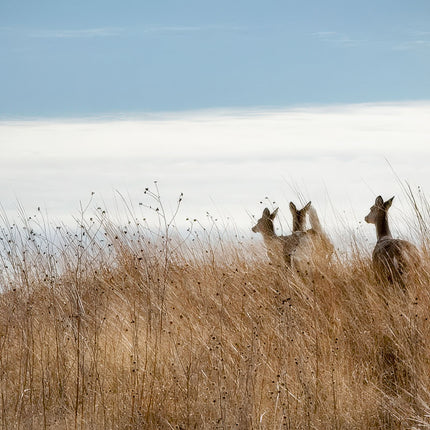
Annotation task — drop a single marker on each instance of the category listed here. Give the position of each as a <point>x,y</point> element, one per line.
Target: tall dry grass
<point>123,327</point>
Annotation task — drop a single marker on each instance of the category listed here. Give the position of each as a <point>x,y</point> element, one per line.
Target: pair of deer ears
<point>379,202</point>
<point>293,208</point>
<point>267,214</point>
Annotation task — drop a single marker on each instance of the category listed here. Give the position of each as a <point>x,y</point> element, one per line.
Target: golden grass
<point>124,328</point>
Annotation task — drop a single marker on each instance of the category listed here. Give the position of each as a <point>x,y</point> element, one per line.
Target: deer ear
<point>307,206</point>
<point>266,213</point>
<point>388,203</point>
<point>293,208</point>
<point>274,214</point>
<point>379,201</point>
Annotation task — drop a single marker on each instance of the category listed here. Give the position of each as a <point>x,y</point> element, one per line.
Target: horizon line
<point>220,110</point>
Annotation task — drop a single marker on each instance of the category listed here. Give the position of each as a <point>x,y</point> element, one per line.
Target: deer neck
<point>297,226</point>
<point>382,228</point>
<point>268,233</point>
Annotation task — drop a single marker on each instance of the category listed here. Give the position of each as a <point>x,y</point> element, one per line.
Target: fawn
<point>297,247</point>
<point>393,259</point>
<point>316,245</point>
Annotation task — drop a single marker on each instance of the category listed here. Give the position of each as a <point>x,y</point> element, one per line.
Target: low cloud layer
<point>224,162</point>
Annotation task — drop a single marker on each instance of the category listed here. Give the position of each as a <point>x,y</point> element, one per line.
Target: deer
<point>316,246</point>
<point>293,249</point>
<point>392,259</point>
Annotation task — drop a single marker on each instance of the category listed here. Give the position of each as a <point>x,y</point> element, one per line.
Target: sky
<point>63,58</point>
<point>237,104</point>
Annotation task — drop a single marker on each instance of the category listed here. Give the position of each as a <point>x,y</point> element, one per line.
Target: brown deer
<point>298,247</point>
<point>279,248</point>
<point>393,259</point>
<point>316,246</point>
<point>299,216</point>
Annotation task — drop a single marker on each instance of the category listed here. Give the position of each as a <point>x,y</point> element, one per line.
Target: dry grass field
<point>123,327</point>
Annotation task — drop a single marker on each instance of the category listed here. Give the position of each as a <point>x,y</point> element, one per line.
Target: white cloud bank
<point>223,162</point>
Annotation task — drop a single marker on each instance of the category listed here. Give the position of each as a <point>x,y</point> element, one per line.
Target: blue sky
<point>84,58</point>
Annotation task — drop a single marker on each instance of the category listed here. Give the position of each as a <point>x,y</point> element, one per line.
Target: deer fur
<point>280,249</point>
<point>320,241</point>
<point>393,259</point>
<point>298,248</point>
